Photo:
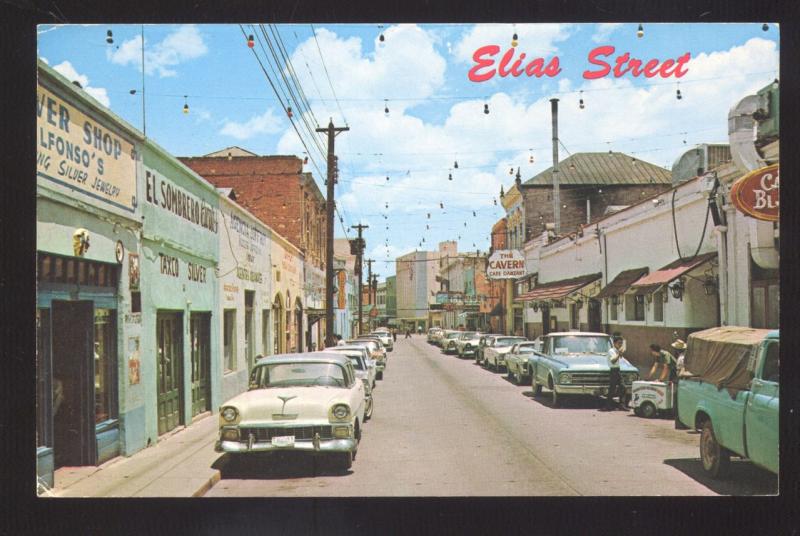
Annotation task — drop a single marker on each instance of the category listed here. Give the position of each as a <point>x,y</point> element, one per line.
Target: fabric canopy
<point>557,289</point>
<point>672,271</point>
<point>722,356</point>
<point>622,282</point>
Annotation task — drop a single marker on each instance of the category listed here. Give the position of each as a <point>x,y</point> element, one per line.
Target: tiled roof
<point>603,169</point>
<point>557,289</point>
<point>622,282</point>
<point>673,271</point>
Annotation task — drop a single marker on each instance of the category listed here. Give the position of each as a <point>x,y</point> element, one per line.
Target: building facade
<point>391,300</point>
<point>416,274</point>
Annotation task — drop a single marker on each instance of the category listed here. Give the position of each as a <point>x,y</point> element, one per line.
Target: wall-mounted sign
<point>75,150</point>
<point>506,264</point>
<point>757,194</point>
<point>133,271</point>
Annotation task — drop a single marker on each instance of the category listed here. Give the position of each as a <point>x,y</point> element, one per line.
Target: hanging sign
<point>757,194</point>
<point>506,264</point>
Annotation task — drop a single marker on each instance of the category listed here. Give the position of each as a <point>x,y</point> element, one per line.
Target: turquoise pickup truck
<point>730,393</point>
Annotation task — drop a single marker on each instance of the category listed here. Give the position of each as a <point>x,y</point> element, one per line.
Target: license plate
<point>283,441</point>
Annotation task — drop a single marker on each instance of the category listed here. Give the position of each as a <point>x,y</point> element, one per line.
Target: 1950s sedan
<point>576,363</point>
<point>311,402</point>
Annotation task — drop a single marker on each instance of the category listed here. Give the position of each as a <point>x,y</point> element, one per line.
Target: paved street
<point>446,427</point>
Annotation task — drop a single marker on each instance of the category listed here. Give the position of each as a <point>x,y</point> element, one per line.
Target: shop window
<point>658,306</point>
<point>229,339</point>
<point>765,304</point>
<point>634,307</point>
<point>265,331</point>
<point>573,316</point>
<point>105,359</point>
<point>612,310</point>
<point>44,398</point>
<point>58,269</point>
<point>71,271</point>
<point>136,301</point>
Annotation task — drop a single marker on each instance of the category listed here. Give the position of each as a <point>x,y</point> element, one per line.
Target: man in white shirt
<point>615,386</point>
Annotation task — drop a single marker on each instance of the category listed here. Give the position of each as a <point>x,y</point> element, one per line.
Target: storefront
<point>87,235</point>
<point>287,290</point>
<point>245,289</point>
<point>314,307</point>
<point>181,366</point>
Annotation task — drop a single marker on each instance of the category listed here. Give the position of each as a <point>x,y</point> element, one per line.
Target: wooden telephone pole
<point>369,285</point>
<point>358,250</point>
<point>332,132</point>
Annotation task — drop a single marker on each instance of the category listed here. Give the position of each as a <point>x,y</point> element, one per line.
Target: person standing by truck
<point>680,350</point>
<point>615,378</point>
<point>667,363</point>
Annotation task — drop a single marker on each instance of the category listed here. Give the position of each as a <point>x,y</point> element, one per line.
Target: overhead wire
<point>327,75</point>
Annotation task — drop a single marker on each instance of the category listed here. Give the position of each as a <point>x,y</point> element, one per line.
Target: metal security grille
<point>299,432</point>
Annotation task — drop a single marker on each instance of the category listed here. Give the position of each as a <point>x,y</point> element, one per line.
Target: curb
<point>207,485</point>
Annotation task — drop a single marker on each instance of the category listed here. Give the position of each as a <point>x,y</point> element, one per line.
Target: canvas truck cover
<point>724,356</point>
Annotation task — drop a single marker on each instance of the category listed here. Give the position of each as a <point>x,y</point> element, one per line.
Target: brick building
<point>276,190</point>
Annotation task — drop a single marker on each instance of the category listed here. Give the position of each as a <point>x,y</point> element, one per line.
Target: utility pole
<point>369,285</point>
<point>332,174</point>
<point>556,193</point>
<point>358,250</point>
<point>375,294</point>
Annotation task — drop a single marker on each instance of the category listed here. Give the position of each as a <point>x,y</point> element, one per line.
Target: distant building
<point>391,300</point>
<point>417,286</point>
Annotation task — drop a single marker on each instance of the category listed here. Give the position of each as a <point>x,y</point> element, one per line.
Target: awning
<point>669,273</point>
<point>497,310</point>
<point>622,282</point>
<point>558,289</point>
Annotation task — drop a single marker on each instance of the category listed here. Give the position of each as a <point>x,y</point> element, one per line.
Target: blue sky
<point>435,113</point>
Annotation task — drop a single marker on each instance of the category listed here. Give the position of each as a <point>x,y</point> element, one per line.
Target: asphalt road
<point>443,426</point>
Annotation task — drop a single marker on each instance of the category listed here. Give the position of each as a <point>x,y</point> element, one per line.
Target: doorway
<point>73,385</point>
<point>298,322</point>
<point>200,328</point>
<point>595,316</point>
<point>249,328</point>
<point>545,319</point>
<point>170,370</point>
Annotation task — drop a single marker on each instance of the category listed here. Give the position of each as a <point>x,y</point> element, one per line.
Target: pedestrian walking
<point>666,362</point>
<point>394,334</point>
<point>408,333</point>
<point>615,386</point>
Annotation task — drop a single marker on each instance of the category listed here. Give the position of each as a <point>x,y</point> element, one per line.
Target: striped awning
<point>669,273</point>
<point>557,289</point>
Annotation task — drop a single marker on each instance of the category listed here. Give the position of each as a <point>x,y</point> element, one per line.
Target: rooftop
<point>603,169</point>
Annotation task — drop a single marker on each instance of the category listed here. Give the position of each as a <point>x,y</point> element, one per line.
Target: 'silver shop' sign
<point>76,151</point>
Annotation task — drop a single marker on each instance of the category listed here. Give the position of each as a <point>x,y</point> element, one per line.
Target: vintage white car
<point>494,355</point>
<point>372,366</point>
<point>386,339</point>
<point>311,402</point>
<point>448,341</point>
<point>467,343</point>
<point>433,334</point>
<point>517,360</point>
<point>376,352</point>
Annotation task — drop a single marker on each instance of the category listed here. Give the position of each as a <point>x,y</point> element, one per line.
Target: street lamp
<point>677,288</point>
<point>710,285</point>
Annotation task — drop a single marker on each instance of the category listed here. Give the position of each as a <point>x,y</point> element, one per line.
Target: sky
<point>435,112</point>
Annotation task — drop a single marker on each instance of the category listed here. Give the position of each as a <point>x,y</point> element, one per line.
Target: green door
<point>761,414</point>
<point>201,362</point>
<point>170,358</point>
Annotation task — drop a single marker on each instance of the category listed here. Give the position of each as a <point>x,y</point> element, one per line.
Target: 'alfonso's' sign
<point>506,264</point>
<point>757,194</point>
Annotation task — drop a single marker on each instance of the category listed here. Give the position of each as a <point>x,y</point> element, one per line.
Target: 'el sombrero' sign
<point>757,194</point>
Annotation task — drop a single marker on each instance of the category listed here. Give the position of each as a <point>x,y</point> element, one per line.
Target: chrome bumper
<point>594,390</point>
<point>325,445</point>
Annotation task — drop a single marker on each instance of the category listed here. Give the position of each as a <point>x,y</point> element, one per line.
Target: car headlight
<point>564,378</point>
<point>468,345</point>
<point>341,411</point>
<point>230,434</point>
<point>365,381</point>
<point>229,414</point>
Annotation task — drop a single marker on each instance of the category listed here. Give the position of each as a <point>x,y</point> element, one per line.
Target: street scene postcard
<point>407,260</point>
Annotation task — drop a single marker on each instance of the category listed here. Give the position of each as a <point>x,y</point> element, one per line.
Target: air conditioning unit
<point>697,161</point>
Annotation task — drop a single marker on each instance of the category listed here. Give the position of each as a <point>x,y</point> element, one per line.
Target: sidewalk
<point>177,466</point>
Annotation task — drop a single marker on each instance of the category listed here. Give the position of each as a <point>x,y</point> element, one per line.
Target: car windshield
<point>508,341</point>
<point>354,355</point>
<point>526,349</point>
<point>573,344</point>
<point>455,335</point>
<point>468,335</point>
<point>298,375</point>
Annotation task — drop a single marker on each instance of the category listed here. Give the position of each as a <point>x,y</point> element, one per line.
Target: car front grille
<point>595,378</point>
<point>299,432</point>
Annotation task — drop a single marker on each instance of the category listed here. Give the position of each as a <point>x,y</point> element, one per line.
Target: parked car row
<point>315,402</point>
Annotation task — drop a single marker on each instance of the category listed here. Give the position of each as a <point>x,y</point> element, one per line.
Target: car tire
<point>379,375</point>
<point>344,461</point>
<point>555,399</point>
<point>637,411</point>
<point>368,414</point>
<point>716,459</point>
<point>536,387</point>
<point>648,410</point>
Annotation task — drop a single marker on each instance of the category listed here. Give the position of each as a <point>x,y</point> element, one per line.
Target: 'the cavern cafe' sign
<point>76,151</point>
<point>506,264</point>
<point>757,194</point>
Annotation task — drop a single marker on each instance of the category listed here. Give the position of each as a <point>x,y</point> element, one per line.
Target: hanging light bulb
<point>185,105</point>
<point>251,42</point>
<point>381,38</point>
<point>387,205</point>
<point>473,214</point>
<point>428,227</point>
<point>514,40</point>
<point>289,112</point>
<point>495,201</point>
<point>429,215</point>
<point>765,27</point>
<point>132,92</point>
<point>465,224</point>
<point>455,164</point>
<point>441,205</point>
<point>511,171</point>
<point>530,157</point>
<point>387,178</point>
<point>486,109</point>
<point>109,37</point>
<point>386,106</point>
<point>580,102</point>
<point>640,31</point>
<point>449,176</point>
<point>678,92</point>
<point>305,160</point>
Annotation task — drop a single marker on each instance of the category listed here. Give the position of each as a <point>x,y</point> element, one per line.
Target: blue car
<point>575,363</point>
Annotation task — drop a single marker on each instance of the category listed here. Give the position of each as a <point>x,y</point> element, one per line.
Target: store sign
<point>506,264</point>
<point>76,151</point>
<point>757,194</point>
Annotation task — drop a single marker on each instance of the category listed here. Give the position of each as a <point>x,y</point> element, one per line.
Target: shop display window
<point>105,359</point>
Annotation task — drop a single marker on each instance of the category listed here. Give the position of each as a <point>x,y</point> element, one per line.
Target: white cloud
<point>266,123</point>
<point>185,43</point>
<point>534,39</point>
<point>99,93</point>
<point>604,31</point>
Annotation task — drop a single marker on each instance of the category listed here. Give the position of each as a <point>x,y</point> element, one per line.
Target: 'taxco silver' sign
<point>506,264</point>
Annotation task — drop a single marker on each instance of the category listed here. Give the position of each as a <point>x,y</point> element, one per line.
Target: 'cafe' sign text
<point>506,264</point>
<point>757,194</point>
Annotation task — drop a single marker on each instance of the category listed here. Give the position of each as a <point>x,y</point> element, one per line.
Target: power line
<point>327,75</point>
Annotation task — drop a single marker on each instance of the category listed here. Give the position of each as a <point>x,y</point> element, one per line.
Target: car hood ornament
<point>285,399</point>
